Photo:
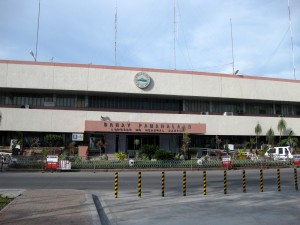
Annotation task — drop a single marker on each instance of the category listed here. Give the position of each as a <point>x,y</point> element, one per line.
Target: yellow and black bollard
<point>261,181</point>
<point>184,183</point>
<point>244,181</point>
<point>139,184</point>
<point>278,180</point>
<point>163,184</point>
<point>116,184</point>
<point>296,179</point>
<point>225,182</point>
<point>204,182</point>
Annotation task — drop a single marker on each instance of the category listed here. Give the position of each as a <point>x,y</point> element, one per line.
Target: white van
<point>279,153</point>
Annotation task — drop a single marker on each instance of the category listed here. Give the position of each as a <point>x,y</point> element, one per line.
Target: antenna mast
<point>232,48</point>
<point>116,31</point>
<point>37,33</point>
<point>174,47</point>
<point>293,56</point>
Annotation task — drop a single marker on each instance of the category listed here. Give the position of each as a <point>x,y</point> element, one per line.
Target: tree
<point>291,140</point>
<point>218,142</point>
<point>185,142</point>
<point>270,136</point>
<point>53,140</point>
<point>136,143</point>
<point>251,143</point>
<point>281,127</point>
<point>258,131</point>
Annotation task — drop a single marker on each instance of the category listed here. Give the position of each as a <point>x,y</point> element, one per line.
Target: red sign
<point>296,160</point>
<point>226,162</point>
<point>52,162</point>
<point>142,127</point>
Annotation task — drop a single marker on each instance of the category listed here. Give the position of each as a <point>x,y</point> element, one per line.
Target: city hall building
<point>117,105</point>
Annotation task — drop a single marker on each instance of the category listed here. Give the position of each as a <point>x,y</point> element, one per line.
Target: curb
<point>93,209</point>
<point>103,211</point>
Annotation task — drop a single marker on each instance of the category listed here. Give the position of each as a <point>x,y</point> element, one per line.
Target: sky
<point>76,31</point>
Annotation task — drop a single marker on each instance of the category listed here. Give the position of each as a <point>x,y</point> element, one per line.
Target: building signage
<point>142,80</point>
<point>77,137</point>
<point>142,127</point>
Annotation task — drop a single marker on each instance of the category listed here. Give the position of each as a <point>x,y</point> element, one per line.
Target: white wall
<point>88,78</point>
<point>18,119</point>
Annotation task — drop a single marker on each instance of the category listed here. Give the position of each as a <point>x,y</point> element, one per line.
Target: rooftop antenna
<point>174,47</point>
<point>290,25</point>
<point>116,31</point>
<point>34,55</point>
<point>233,72</point>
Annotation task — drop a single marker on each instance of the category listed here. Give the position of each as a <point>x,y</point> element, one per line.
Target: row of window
<point>148,103</point>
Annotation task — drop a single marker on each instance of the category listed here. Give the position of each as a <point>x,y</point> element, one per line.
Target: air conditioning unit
<point>228,113</point>
<point>204,113</point>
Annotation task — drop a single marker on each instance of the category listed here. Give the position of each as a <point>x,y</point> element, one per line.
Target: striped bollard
<point>116,184</point>
<point>261,181</point>
<point>296,179</point>
<point>278,180</point>
<point>244,181</point>
<point>139,184</point>
<point>184,183</point>
<point>225,182</point>
<point>163,184</point>
<point>204,182</point>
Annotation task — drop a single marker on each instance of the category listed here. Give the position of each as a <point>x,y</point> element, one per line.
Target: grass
<point>4,201</point>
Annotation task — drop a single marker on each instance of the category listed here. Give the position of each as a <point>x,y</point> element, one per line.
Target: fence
<point>37,162</point>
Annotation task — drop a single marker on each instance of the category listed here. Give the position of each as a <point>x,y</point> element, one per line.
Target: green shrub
<point>149,150</point>
<point>163,155</point>
<point>120,156</point>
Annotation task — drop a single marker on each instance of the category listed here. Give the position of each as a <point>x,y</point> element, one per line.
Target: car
<point>279,153</point>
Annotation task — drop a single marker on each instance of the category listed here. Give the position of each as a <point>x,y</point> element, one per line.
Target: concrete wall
<point>121,80</point>
<point>18,119</point>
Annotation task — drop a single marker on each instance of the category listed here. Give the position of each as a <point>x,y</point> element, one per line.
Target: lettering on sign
<point>144,127</point>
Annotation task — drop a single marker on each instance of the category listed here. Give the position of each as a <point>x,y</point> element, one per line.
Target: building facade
<point>118,105</point>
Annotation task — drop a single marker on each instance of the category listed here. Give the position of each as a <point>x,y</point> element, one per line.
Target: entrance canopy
<point>144,127</point>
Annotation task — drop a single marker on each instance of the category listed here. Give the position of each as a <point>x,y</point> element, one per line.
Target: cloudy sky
<point>77,31</point>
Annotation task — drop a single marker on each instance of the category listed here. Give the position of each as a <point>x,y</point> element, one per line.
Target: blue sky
<point>76,31</point>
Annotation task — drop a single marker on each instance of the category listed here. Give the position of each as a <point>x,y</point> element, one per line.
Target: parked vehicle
<point>279,153</point>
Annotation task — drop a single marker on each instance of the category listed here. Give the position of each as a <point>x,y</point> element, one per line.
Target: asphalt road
<point>235,208</point>
<point>151,181</point>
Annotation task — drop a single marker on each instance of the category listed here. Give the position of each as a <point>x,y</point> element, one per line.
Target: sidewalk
<point>48,207</point>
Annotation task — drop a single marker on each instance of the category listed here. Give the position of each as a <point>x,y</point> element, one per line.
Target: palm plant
<point>291,140</point>
<point>258,131</point>
<point>281,127</point>
<point>251,143</point>
<point>270,136</point>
